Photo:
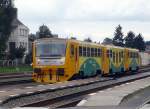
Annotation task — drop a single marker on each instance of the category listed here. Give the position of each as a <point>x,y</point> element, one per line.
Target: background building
<point>19,36</point>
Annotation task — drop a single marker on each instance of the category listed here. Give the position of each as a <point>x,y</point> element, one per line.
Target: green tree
<point>88,39</point>
<point>20,52</point>
<point>7,15</point>
<point>107,41</point>
<point>44,32</point>
<point>32,37</point>
<point>17,53</point>
<point>139,43</point>
<point>28,58</point>
<point>129,39</point>
<point>118,37</point>
<point>74,38</point>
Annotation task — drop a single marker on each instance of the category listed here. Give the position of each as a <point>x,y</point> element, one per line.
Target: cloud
<point>97,18</point>
<point>85,10</point>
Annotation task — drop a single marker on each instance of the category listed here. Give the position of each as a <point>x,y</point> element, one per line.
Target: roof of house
<point>16,22</point>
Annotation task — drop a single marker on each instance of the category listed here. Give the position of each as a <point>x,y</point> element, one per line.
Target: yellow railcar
<point>132,59</point>
<point>120,60</point>
<point>56,60</point>
<point>113,60</point>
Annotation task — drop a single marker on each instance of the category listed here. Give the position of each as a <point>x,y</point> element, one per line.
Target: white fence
<point>145,58</point>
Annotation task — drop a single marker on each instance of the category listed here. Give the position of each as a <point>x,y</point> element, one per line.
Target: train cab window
<point>72,50</point>
<point>92,52</point>
<point>84,51</point>
<point>88,52</point>
<point>114,57</point>
<point>99,52</point>
<point>110,53</point>
<point>80,51</point>
<point>95,52</point>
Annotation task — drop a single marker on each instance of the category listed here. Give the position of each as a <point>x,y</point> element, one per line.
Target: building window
<point>12,45</point>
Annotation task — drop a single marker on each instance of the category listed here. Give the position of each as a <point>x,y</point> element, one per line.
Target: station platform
<point>116,95</point>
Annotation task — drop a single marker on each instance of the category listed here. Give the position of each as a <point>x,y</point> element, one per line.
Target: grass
<point>18,69</point>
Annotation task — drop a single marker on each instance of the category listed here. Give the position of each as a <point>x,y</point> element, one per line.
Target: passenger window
<point>99,52</point>
<point>80,51</point>
<point>129,55</point>
<point>137,55</point>
<point>72,50</point>
<point>111,53</point>
<point>122,54</point>
<point>92,52</point>
<point>114,57</point>
<point>108,53</point>
<point>119,56</point>
<point>88,52</point>
<point>95,52</point>
<point>84,51</point>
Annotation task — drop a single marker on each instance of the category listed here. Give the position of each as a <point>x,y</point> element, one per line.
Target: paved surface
<point>114,96</point>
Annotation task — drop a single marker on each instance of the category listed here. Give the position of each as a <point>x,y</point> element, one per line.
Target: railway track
<point>26,77</point>
<point>68,93</point>
<point>15,78</point>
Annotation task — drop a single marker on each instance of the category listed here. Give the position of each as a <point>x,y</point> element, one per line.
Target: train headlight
<point>38,61</point>
<point>62,61</point>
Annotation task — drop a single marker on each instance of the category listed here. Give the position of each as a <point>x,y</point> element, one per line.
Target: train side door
<point>105,61</point>
<point>126,59</point>
<point>74,57</point>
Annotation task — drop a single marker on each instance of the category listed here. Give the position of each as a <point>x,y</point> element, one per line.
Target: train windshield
<point>50,49</point>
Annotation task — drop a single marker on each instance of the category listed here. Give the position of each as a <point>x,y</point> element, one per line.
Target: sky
<point>86,18</point>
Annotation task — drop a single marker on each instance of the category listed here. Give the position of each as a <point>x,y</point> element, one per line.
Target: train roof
<point>72,40</point>
<point>86,43</point>
<point>112,46</point>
